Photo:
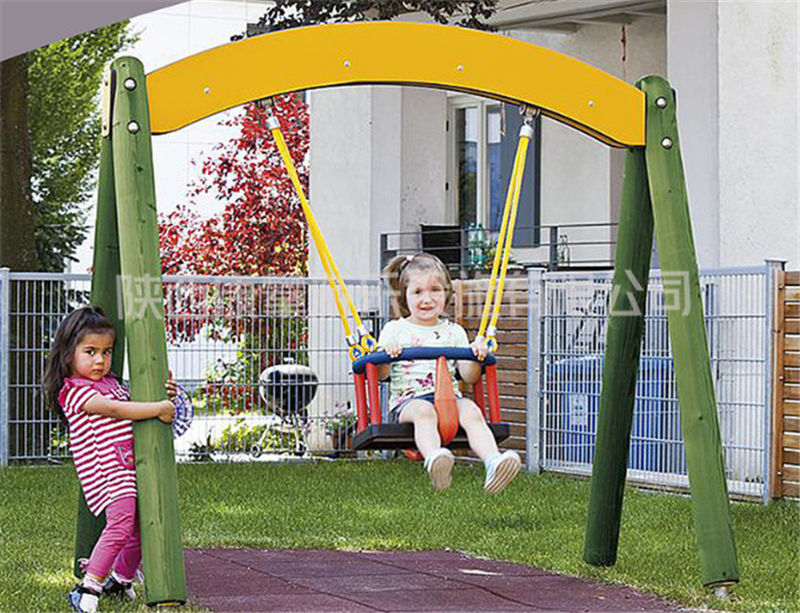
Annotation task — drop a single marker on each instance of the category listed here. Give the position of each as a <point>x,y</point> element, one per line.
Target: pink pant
<point>119,546</point>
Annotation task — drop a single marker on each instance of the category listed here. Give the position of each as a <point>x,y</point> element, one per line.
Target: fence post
<point>772,268</point>
<point>533,430</point>
<point>5,341</point>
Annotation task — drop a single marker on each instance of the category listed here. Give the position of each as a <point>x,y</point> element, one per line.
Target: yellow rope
<point>504,240</point>
<point>499,264</point>
<point>507,252</point>
<point>327,259</point>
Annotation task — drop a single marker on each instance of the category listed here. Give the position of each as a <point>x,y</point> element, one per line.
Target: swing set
<point>641,119</point>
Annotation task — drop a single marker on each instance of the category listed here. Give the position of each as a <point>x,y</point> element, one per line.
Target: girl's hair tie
<point>409,258</point>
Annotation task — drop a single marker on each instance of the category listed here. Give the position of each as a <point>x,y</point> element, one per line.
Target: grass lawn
<point>538,521</point>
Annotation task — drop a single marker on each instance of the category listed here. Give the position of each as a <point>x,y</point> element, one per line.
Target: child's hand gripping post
<point>444,400</point>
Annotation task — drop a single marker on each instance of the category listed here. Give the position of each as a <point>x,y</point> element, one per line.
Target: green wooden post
<point>696,398</point>
<point>620,364</point>
<point>104,295</point>
<point>156,472</point>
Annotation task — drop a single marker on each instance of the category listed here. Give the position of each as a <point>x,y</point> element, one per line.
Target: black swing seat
<point>401,436</point>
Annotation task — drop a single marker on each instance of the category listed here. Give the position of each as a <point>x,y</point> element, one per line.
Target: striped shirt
<point>101,446</point>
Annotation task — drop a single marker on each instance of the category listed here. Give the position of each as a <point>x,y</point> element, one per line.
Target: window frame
<point>456,102</point>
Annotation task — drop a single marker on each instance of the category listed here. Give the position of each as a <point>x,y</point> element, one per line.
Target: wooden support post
<point>104,294</point>
<point>621,363</point>
<point>140,278</point>
<point>696,398</point>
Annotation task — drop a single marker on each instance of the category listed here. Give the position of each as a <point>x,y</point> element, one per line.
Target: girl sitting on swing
<point>422,289</point>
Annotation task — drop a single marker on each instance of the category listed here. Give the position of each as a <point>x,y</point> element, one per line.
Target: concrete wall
<point>581,178</point>
<point>341,181</point>
<point>759,208</point>
<point>692,34</point>
<point>378,155</point>
<point>735,67</point>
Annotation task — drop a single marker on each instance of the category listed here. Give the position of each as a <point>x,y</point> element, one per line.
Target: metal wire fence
<point>225,337</point>
<point>572,323</point>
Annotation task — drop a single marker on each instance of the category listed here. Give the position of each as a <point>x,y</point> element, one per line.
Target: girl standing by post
<point>97,408</point>
<point>422,289</point>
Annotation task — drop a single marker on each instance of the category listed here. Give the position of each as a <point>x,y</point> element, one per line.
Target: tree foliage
<point>294,13</point>
<point>261,229</point>
<point>64,126</point>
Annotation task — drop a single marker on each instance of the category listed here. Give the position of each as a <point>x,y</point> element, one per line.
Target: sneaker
<point>500,470</point>
<point>439,464</point>
<point>122,589</point>
<point>83,600</point>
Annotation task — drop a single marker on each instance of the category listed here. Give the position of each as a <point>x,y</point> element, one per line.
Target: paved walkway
<point>329,581</point>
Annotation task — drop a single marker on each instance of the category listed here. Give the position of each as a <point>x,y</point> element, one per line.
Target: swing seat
<point>372,433</point>
<point>401,436</point>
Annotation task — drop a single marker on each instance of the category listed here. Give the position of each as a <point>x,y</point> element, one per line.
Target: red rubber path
<point>324,580</point>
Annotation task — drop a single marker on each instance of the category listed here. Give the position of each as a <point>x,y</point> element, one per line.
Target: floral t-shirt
<point>410,378</point>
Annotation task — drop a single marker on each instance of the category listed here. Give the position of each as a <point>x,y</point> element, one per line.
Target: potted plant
<point>341,426</point>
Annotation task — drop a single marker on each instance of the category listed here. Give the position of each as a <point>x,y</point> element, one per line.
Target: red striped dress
<point>101,446</point>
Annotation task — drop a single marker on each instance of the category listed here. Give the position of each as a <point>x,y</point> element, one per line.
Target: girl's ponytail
<point>392,275</point>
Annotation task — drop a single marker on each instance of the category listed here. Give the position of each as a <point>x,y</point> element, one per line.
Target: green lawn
<point>538,521</point>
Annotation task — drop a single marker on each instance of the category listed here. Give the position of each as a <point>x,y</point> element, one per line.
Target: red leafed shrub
<point>260,231</point>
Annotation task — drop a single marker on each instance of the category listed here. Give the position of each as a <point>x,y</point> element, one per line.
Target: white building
<point>384,161</point>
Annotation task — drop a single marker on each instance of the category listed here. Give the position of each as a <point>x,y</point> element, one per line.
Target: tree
<point>64,126</point>
<point>294,13</point>
<point>17,250</point>
<point>49,136</point>
<point>261,231</point>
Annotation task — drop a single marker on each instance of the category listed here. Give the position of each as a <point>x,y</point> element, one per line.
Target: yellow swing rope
<point>503,250</point>
<point>366,343</point>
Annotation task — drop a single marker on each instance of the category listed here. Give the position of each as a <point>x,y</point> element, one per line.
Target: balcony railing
<point>468,251</point>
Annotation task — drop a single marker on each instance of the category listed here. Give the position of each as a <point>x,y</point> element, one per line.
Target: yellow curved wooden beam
<point>447,57</point>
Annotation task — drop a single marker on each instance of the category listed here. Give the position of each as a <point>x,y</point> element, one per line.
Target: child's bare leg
<point>501,468</point>
<point>480,437</point>
<point>426,426</point>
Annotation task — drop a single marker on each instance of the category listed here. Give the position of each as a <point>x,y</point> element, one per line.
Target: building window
<point>467,140</point>
<point>483,143</point>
